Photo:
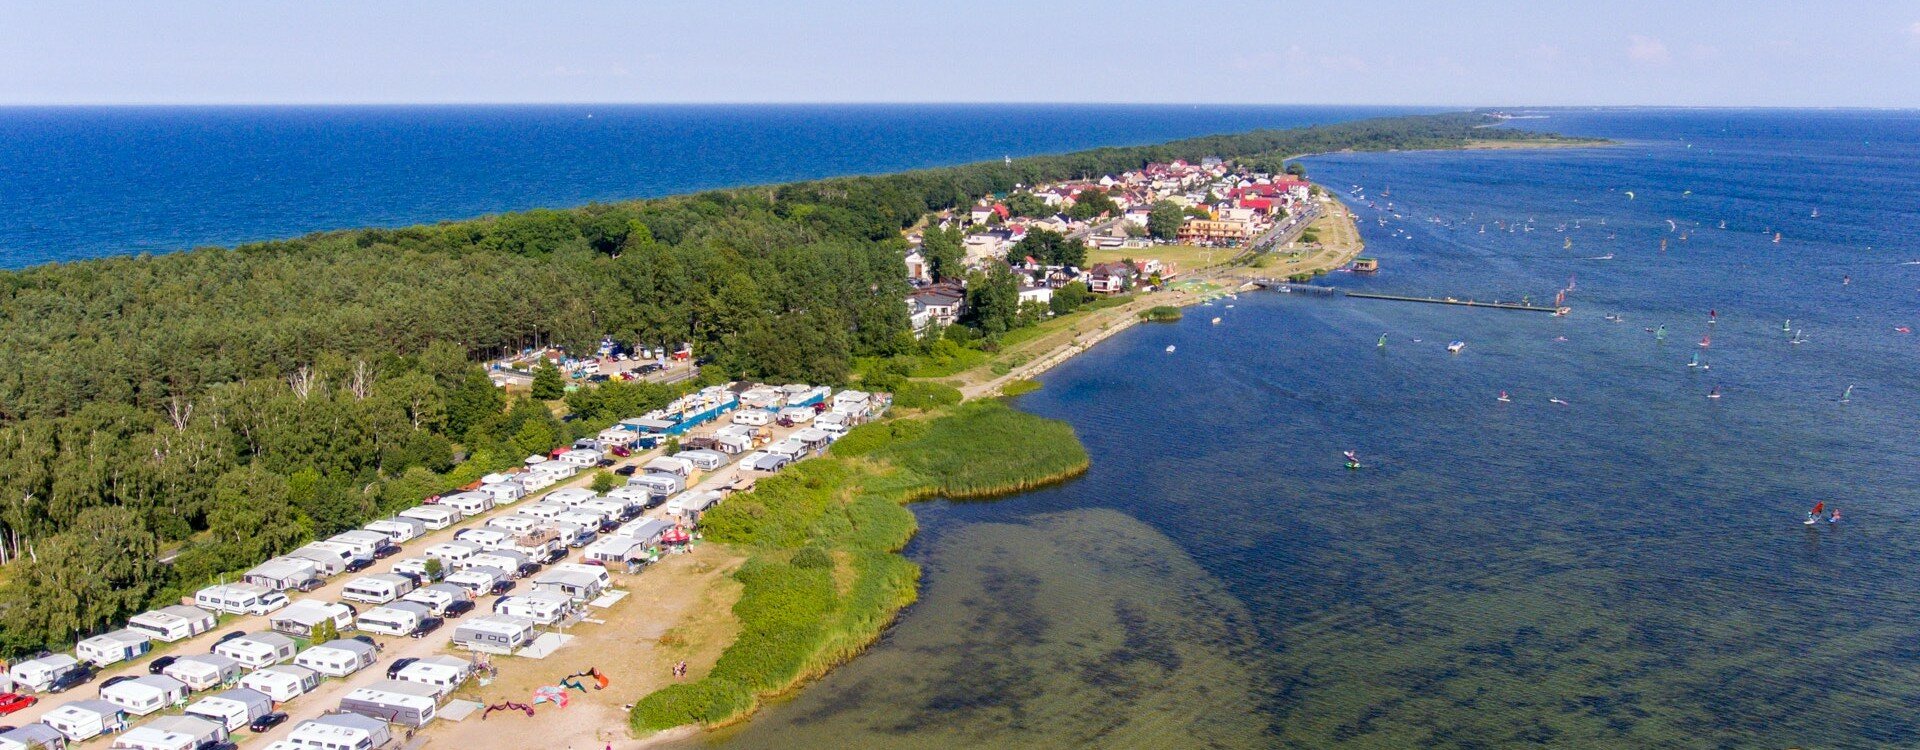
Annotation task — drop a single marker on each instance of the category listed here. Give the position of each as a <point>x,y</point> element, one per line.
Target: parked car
<point>623,452</point>
<point>501,587</point>
<point>414,577</point>
<point>11,702</point>
<point>604,463</point>
<point>386,550</point>
<point>626,471</point>
<point>399,664</point>
<point>427,625</point>
<point>111,681</point>
<point>457,609</point>
<point>367,639</point>
<point>71,678</point>
<point>267,722</point>
<point>358,564</point>
<point>556,556</point>
<point>229,637</point>
<point>307,586</point>
<point>155,666</point>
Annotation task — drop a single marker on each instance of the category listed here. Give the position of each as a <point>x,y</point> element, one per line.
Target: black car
<point>457,609</point>
<point>111,681</point>
<point>228,637</point>
<point>367,639</point>
<point>414,577</point>
<point>555,556</point>
<point>267,722</point>
<point>399,664</point>
<point>155,666</point>
<point>307,586</point>
<point>70,678</point>
<point>358,564</point>
<point>386,550</point>
<point>626,471</point>
<point>501,587</point>
<point>426,626</point>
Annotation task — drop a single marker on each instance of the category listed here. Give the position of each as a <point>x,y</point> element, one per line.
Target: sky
<point>1503,53</point>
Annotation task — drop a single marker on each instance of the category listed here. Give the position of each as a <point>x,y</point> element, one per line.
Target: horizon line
<point>877,103</point>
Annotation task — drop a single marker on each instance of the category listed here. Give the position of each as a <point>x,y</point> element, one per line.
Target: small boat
<point>1776,238</point>
<point>1706,341</point>
<point>1816,213</point>
<point>1715,393</point>
<point>1455,347</point>
<point>1696,360</point>
<point>1169,348</point>
<point>1786,326</point>
<point>1723,223</point>
<point>1383,342</point>
<point>1902,329</point>
<point>1561,402</point>
<point>1796,338</point>
<point>1216,321</point>
<point>1847,395</point>
<point>1353,459</point>
<point>1504,398</point>
<point>1813,516</point>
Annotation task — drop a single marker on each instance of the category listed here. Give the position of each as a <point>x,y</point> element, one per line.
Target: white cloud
<point>1914,30</point>
<point>1646,49</point>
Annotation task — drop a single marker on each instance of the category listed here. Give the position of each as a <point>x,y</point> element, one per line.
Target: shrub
<point>706,701</point>
<point>1020,387</point>
<point>812,556</point>
<point>920,394</point>
<point>1160,314</point>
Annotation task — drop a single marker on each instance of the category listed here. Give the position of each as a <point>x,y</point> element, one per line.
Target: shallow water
<point>1628,570</point>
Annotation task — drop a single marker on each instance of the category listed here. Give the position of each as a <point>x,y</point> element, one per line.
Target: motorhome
<point>498,634</point>
<point>662,486</point>
<point>633,500</point>
<point>545,511</point>
<point>751,417</point>
<point>173,623</point>
<point>678,467</point>
<point>609,511</point>
<point>506,560</point>
<point>302,618</point>
<point>145,694</point>
<point>398,618</point>
<point>282,682</point>
<point>574,534</point>
<point>514,524</point>
<point>377,589</point>
<point>796,415</point>
<point>338,658</point>
<point>203,671</point>
<point>418,566</point>
<point>239,599</point>
<point>234,708</point>
<point>256,650</point>
<point>364,544</point>
<point>504,493</point>
<point>333,558</point>
<point>433,517</point>
<point>393,701</point>
<point>347,731</point>
<point>589,519</point>
<point>569,496</point>
<point>584,458</point>
<point>172,733</point>
<point>398,530</point>
<point>113,647</point>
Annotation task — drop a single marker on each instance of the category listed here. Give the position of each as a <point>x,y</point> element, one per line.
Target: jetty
<point>1282,285</point>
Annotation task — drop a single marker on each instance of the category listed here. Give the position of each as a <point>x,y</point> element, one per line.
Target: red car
<point>11,702</point>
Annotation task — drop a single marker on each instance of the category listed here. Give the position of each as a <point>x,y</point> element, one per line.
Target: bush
<point>1020,387</point>
<point>812,556</point>
<point>873,436</point>
<point>920,394</point>
<point>604,482</point>
<point>986,448</point>
<point>1160,314</point>
<point>706,701</point>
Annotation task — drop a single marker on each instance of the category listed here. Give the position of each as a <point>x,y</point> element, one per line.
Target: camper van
<point>634,499</point>
<point>203,671</point>
<point>173,623</point>
<point>544,511</point>
<point>395,702</point>
<point>377,589</point>
<point>333,558</point>
<point>704,460</point>
<point>574,534</point>
<point>418,566</point>
<point>145,694</point>
<point>751,417</point>
<point>690,505</point>
<point>661,486</point>
<point>433,517</point>
<point>442,673</point>
<point>232,709</point>
<point>398,530</point>
<point>40,674</point>
<point>239,599</point>
<point>479,580</point>
<point>504,493</point>
<point>363,544</point>
<point>678,467</point>
<point>586,518</point>
<point>398,618</point>
<point>543,608</point>
<point>79,721</point>
<point>301,618</point>
<point>609,511</point>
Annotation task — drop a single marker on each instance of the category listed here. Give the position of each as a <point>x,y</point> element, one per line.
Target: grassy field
<point>1183,257</point>
<point>823,577</point>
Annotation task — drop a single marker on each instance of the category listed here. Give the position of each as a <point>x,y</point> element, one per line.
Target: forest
<point>167,419</point>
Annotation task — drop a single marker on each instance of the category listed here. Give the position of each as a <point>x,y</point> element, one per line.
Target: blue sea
<point>81,182</point>
<point>1629,569</point>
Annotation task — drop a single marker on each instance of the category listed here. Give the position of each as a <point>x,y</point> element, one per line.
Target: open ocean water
<point>1627,570</point>
<point>81,182</point>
